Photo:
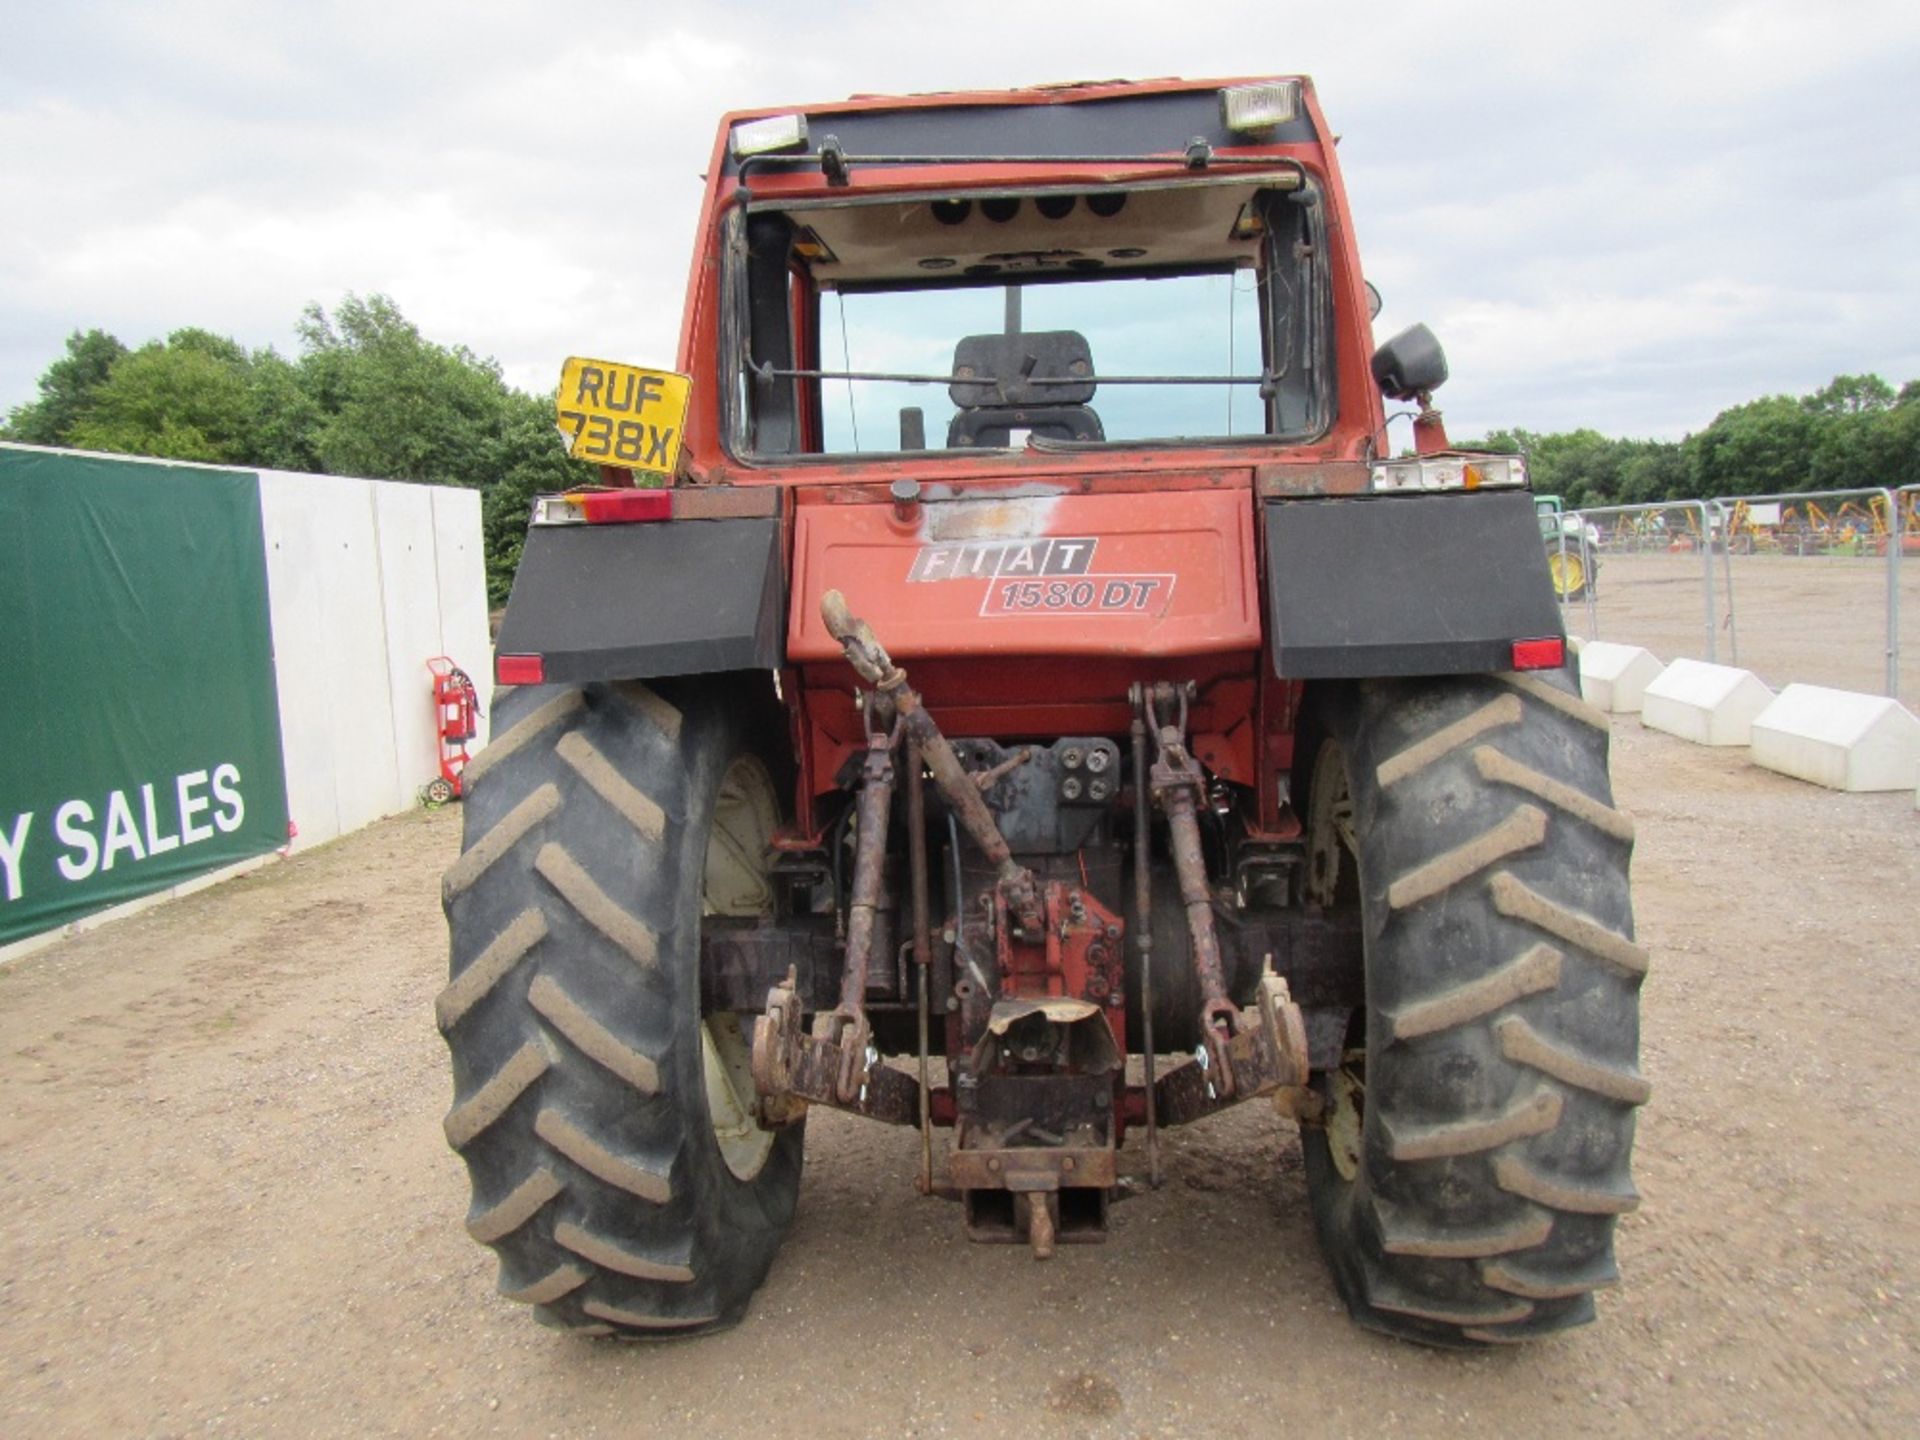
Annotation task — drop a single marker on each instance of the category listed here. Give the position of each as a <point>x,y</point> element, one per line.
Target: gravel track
<point>230,1208</point>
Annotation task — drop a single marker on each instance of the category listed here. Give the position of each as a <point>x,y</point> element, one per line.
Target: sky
<point>1627,216</point>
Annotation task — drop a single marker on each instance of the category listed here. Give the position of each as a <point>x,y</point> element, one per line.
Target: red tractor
<point>1036,704</point>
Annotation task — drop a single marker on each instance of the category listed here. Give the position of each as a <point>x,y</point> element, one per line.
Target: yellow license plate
<point>613,414</point>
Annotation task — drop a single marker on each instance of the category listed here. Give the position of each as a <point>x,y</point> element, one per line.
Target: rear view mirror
<point>1410,364</point>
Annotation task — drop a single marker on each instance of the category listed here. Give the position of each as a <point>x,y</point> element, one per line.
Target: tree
<point>1852,395</point>
<point>66,389</point>
<point>1657,471</point>
<point>1763,447</point>
<point>187,399</point>
<point>394,406</point>
<point>1892,449</point>
<point>286,416</point>
<point>533,461</point>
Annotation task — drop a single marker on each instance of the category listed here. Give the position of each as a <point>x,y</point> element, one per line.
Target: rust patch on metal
<point>1333,477</point>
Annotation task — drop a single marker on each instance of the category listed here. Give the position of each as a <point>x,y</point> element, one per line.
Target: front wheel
<point>610,1130</point>
<point>1474,1151</point>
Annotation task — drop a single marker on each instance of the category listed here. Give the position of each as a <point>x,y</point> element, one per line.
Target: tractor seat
<point>992,427</point>
<point>995,389</point>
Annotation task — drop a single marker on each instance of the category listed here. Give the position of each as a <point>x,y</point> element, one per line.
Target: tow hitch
<point>1038,1098</point>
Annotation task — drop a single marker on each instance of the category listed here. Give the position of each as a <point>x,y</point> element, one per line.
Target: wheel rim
<point>1333,873</point>
<point>1568,573</point>
<point>1331,848</point>
<point>745,813</point>
<point>1347,1112</point>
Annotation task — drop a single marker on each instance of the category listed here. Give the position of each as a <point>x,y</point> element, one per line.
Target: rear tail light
<point>685,502</point>
<point>603,507</point>
<point>520,669</point>
<point>1428,473</point>
<point>1547,654</point>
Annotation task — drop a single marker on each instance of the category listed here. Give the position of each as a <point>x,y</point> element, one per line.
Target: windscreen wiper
<point>766,370</point>
<point>837,165</point>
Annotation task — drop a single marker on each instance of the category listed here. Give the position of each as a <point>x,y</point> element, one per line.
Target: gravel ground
<point>230,1209</point>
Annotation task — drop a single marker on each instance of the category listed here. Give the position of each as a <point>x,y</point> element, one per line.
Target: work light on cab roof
<point>1250,109</point>
<point>768,136</point>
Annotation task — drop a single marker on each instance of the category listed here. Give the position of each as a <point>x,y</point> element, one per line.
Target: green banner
<point>139,725</point>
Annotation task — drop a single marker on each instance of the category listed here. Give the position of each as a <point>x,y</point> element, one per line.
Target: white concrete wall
<point>367,579</point>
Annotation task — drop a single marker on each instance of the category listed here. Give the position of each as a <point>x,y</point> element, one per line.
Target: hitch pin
<point>987,779</point>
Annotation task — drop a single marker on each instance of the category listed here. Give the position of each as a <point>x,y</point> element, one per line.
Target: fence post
<point>1894,546</point>
<point>1592,562</point>
<point>1706,574</point>
<point>1726,565</point>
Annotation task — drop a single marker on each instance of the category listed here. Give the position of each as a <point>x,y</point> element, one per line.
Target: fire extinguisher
<point>456,721</point>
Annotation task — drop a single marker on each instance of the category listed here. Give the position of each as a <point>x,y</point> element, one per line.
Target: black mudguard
<point>1405,584</point>
<point>637,602</point>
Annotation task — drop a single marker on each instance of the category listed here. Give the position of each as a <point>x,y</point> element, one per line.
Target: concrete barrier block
<point>1839,738</point>
<point>1707,704</point>
<point>1615,677</point>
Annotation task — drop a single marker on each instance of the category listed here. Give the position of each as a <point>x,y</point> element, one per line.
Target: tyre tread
<point>493,964</point>
<point>520,1205</point>
<point>628,1318</point>
<point>1431,1243</point>
<point>1552,696</point>
<point>1505,710</point>
<point>1514,898</point>
<point>467,1120</point>
<point>520,734</point>
<point>491,848</point>
<point>600,910</point>
<point>609,1254</point>
<point>1498,766</point>
<point>636,1177</point>
<point>636,807</point>
<point>1524,829</point>
<point>1517,1279</point>
<point>592,1039</point>
<point>1516,1177</point>
<point>1534,972</point>
<point>1535,1115</point>
<point>1524,1045</point>
<point>560,1281</point>
<point>1492,1169</point>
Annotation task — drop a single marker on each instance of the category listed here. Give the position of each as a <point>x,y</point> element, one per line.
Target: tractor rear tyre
<point>1474,1152</point>
<point>609,1129</point>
